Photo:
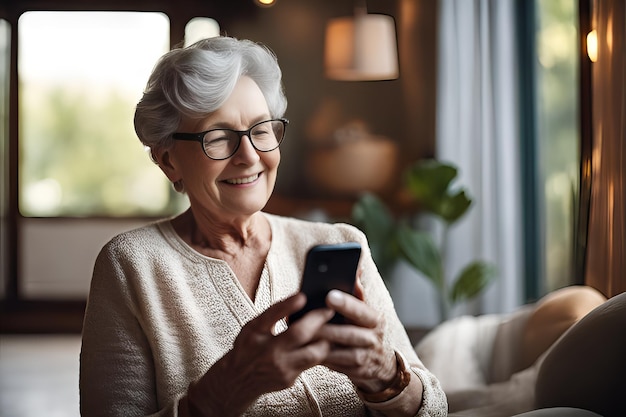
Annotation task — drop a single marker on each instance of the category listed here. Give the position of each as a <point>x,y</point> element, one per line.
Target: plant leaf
<point>429,181</point>
<point>472,280</point>
<point>419,250</point>
<point>453,207</point>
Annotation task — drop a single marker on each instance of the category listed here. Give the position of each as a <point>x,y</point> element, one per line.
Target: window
<point>79,155</point>
<point>558,161</point>
<point>200,28</point>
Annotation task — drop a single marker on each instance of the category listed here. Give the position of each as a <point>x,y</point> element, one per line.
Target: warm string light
<point>592,45</point>
<point>266,3</point>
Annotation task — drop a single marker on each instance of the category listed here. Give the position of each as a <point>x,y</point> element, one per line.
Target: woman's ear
<point>163,158</point>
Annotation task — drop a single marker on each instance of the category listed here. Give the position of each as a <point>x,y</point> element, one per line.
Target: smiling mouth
<point>239,181</point>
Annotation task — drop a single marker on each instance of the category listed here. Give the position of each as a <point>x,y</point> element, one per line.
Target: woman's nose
<point>246,151</point>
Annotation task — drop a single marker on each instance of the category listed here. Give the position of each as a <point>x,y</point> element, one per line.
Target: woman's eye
<point>219,136</point>
<point>262,132</point>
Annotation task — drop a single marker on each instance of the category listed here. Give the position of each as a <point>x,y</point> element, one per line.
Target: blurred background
<point>523,97</point>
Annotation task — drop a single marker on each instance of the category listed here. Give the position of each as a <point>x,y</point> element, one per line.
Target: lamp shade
<point>361,48</point>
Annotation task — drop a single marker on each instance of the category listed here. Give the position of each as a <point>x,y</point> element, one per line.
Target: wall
<point>57,255</point>
<point>606,245</point>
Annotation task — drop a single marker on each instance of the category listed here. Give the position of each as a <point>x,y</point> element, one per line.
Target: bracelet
<point>399,383</point>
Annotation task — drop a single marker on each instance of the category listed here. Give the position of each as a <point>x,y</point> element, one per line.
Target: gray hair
<point>196,81</point>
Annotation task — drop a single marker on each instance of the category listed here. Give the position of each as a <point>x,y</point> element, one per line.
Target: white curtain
<point>477,130</point>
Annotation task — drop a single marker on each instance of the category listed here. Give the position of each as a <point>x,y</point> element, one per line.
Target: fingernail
<point>335,296</point>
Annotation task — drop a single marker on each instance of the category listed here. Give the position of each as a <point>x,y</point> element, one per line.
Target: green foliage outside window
<point>83,158</point>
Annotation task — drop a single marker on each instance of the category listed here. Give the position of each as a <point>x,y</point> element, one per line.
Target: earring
<point>179,186</point>
<point>151,154</point>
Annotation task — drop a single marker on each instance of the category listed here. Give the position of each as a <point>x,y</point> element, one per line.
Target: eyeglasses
<point>220,144</point>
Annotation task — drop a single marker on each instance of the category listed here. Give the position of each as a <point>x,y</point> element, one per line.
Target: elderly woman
<point>186,316</point>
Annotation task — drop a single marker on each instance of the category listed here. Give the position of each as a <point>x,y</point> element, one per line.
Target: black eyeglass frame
<point>199,137</point>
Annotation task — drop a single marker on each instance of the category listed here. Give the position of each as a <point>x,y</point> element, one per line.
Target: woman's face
<point>240,185</point>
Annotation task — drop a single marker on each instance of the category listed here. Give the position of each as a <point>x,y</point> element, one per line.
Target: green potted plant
<point>429,183</point>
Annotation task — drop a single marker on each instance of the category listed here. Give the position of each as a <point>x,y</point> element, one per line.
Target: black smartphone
<point>328,267</point>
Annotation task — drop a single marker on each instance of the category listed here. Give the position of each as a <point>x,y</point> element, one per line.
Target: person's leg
<point>586,368</point>
<point>553,315</point>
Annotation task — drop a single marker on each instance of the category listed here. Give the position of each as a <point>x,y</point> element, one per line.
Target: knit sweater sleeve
<point>117,373</point>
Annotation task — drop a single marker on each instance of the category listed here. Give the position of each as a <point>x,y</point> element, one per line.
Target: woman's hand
<point>358,351</point>
<point>357,347</point>
<point>261,361</point>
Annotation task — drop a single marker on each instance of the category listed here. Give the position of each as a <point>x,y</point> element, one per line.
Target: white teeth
<point>243,180</point>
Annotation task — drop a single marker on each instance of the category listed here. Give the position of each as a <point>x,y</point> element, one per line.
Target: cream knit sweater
<point>160,314</point>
